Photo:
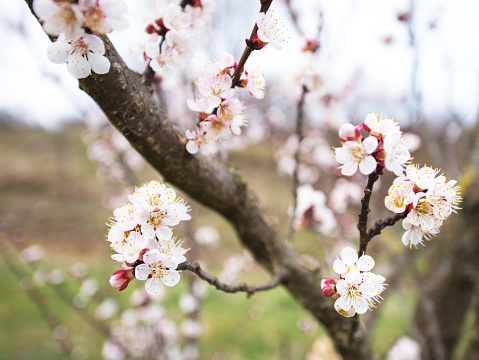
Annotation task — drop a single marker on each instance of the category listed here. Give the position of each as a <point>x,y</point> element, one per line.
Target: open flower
<point>354,154</point>
<point>399,196</point>
<point>159,269</point>
<point>215,88</point>
<point>59,17</point>
<point>82,55</point>
<point>350,262</point>
<point>355,292</point>
<point>270,30</point>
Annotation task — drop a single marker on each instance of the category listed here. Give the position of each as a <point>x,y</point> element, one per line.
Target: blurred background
<point>65,169</point>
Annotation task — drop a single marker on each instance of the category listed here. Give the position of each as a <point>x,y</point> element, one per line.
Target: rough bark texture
<point>127,100</point>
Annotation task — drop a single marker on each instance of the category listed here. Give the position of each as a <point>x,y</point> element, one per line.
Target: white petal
<point>339,267</point>
<point>360,305</point>
<point>368,165</point>
<point>344,303</point>
<point>142,271</point>
<point>171,278</point>
<point>353,277</point>
<point>342,155</point>
<point>153,286</point>
<point>349,169</point>
<point>152,50</point>
<point>99,63</point>
<point>341,287</point>
<point>349,256</point>
<point>365,263</point>
<point>58,52</point>
<point>94,43</point>
<point>78,66</point>
<point>370,144</point>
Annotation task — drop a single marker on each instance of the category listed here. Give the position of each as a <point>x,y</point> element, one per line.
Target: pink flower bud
<point>329,287</point>
<point>348,132</point>
<point>120,278</point>
<point>380,155</point>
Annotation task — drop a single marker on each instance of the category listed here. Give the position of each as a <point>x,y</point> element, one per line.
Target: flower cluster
<point>358,289</point>
<point>385,146</point>
<point>220,112</point>
<point>172,31</point>
<point>428,200</point>
<point>74,22</point>
<point>143,240</point>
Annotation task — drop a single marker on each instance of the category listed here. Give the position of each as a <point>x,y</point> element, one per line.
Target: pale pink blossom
<point>215,88</point>
<point>354,154</point>
<point>82,55</point>
<point>197,141</point>
<point>216,128</point>
<point>379,127</point>
<point>351,262</point>
<point>104,16</point>
<point>59,17</point>
<point>271,30</point>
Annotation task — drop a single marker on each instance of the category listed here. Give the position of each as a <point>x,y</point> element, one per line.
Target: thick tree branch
<point>250,290</point>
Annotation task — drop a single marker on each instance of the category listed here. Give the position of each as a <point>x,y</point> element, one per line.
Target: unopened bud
<point>348,132</point>
<point>328,286</point>
<point>120,278</point>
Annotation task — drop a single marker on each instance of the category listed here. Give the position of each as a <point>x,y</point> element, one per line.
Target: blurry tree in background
<point>292,231</point>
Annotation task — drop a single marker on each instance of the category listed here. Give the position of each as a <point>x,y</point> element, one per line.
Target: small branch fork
<point>250,290</point>
<point>365,235</point>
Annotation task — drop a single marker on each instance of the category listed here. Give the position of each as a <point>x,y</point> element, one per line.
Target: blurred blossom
<point>344,193</point>
<point>40,277</point>
<point>405,349</point>
<point>32,253</point>
<point>108,308</point>
<point>60,332</point>
<point>140,297</point>
<point>191,352</point>
<point>88,288</point>
<point>307,324</point>
<point>188,303</point>
<point>56,277</point>
<point>191,328</point>
<point>234,265</point>
<point>78,270</point>
<point>112,351</point>
<point>207,236</point>
<point>412,141</point>
<point>312,212</point>
<point>199,289</point>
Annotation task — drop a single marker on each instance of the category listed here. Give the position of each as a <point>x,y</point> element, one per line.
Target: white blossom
<point>271,30</point>
<point>350,262</point>
<point>354,154</point>
<point>82,55</point>
<point>158,269</point>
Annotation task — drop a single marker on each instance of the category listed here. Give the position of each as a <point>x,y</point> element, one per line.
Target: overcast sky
<point>354,38</point>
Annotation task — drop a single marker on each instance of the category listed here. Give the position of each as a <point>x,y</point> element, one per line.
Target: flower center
<point>156,217</point>
<point>80,46</point>
<point>158,269</point>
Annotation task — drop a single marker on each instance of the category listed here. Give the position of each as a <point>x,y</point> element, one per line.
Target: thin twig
<point>364,237</point>
<point>265,4</point>
<point>250,290</point>
<point>381,224</point>
<point>297,155</point>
